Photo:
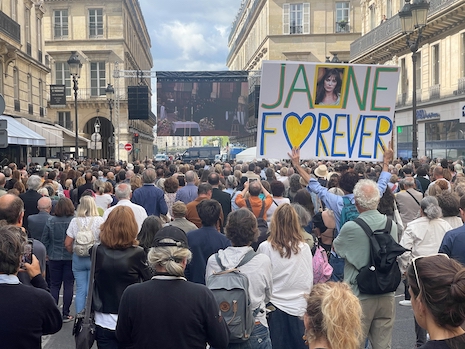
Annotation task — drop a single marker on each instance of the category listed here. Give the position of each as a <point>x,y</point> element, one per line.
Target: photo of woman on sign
<point>328,87</point>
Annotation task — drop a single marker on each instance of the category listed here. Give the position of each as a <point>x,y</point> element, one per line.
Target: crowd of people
<point>163,230</point>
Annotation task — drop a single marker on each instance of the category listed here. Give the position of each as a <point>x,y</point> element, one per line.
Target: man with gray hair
<point>353,244</point>
<point>188,193</point>
<point>151,198</point>
<point>36,222</point>
<point>3,191</point>
<point>123,194</point>
<point>408,200</point>
<point>31,197</point>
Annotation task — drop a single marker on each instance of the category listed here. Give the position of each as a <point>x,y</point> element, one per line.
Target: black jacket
<point>225,201</point>
<point>30,199</point>
<point>114,271</point>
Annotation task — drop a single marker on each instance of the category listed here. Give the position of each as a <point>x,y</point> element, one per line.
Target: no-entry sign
<point>128,146</point>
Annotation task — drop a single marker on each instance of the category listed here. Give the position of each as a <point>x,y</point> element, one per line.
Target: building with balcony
<point>23,73</point>
<point>108,37</point>
<point>310,31</point>
<point>440,74</point>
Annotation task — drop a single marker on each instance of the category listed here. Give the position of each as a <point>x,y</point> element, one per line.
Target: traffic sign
<point>128,146</point>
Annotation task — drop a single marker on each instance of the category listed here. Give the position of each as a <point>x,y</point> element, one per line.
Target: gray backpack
<point>231,290</point>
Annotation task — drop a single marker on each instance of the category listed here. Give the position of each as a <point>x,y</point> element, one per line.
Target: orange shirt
<point>256,204</point>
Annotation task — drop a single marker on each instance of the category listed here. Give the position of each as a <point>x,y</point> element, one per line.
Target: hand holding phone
<point>26,256</point>
<point>33,269</point>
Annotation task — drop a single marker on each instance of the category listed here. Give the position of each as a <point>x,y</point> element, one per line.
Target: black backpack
<point>382,274</point>
<point>262,225</point>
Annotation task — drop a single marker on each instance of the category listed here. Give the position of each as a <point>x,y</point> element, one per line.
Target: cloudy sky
<point>189,35</point>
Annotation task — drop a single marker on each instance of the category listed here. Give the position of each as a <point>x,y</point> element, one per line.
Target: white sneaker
<point>406,303</point>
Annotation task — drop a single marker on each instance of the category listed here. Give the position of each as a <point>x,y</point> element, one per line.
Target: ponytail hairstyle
<point>334,314</point>
<point>441,288</point>
<point>169,257</point>
<point>430,207</point>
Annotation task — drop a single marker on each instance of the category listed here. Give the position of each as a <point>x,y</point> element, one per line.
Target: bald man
<point>12,211</point>
<point>36,222</point>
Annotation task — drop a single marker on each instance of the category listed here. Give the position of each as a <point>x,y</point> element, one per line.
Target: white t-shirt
<point>292,278</point>
<point>103,201</point>
<point>73,227</point>
<point>273,207</point>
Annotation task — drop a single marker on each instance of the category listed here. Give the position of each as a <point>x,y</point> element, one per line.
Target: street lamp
<point>75,66</point>
<point>110,91</point>
<point>414,17</point>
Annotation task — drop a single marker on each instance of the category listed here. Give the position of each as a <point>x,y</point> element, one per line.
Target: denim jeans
<point>81,271</point>
<point>106,339</point>
<point>338,268</point>
<point>61,273</point>
<point>259,339</point>
<point>286,330</point>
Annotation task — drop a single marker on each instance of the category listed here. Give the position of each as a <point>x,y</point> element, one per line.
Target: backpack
<point>382,274</point>
<point>349,212</point>
<point>322,270</point>
<point>84,239</point>
<point>231,291</point>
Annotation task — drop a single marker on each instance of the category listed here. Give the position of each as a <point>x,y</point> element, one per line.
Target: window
<point>62,76</point>
<point>296,18</point>
<point>389,8</point>
<point>95,23</point>
<point>16,82</point>
<point>373,18</point>
<point>342,16</point>
<point>60,24</point>
<point>14,9</point>
<point>435,64</point>
<point>404,77</point>
<point>462,55</point>
<point>97,79</point>
<point>29,88</point>
<point>39,38</point>
<point>27,29</point>
<point>1,78</point>
<point>404,134</point>
<point>64,119</point>
<point>418,71</point>
<point>41,93</point>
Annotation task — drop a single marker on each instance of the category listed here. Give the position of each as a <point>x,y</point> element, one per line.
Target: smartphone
<point>26,256</point>
<point>252,179</point>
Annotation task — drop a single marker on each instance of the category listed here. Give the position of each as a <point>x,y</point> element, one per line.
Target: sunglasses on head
<point>414,264</point>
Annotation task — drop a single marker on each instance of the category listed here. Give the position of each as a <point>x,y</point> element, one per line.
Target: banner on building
<point>330,111</point>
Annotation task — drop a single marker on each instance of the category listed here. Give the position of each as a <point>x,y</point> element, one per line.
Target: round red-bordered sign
<point>128,146</point>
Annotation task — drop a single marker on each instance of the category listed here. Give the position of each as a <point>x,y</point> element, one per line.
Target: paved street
<point>403,336</point>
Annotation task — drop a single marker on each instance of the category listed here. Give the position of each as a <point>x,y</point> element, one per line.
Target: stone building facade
<point>107,36</point>
<point>440,74</point>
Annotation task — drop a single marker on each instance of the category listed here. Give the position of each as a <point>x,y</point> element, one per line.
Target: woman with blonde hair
<point>333,317</point>
<point>292,274</point>
<point>119,263</point>
<point>87,218</point>
<point>168,311</point>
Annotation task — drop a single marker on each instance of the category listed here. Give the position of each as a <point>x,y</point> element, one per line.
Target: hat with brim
<point>458,168</point>
<point>321,171</point>
<point>170,236</point>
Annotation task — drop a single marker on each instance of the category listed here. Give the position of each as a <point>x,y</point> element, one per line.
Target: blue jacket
<point>151,198</point>
<point>203,243</point>
<point>54,236</point>
<point>453,244</point>
<point>187,193</point>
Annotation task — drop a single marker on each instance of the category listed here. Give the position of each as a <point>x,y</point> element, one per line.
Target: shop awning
<point>69,138</point>
<point>18,134</point>
<point>53,136</point>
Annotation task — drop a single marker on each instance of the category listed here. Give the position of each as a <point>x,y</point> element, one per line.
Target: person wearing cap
<point>168,311</point>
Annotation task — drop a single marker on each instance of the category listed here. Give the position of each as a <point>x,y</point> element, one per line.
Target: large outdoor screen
<point>202,103</point>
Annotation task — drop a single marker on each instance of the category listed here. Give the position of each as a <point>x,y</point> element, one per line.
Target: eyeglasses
<point>415,266</point>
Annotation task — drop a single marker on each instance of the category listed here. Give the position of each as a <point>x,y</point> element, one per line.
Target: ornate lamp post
<point>413,17</point>
<point>75,66</point>
<point>110,91</point>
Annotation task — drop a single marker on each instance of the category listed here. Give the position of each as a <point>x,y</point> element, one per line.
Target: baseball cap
<point>177,235</point>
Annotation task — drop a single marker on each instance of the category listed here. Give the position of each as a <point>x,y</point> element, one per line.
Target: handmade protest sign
<point>331,111</point>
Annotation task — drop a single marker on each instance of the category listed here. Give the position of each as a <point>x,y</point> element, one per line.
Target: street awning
<point>18,134</point>
<point>69,138</point>
<point>53,136</point>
